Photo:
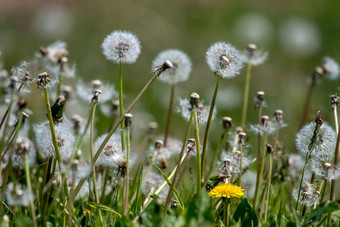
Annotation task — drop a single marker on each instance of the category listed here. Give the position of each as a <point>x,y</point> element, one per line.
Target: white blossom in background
<point>18,195</point>
<point>331,68</point>
<point>202,111</point>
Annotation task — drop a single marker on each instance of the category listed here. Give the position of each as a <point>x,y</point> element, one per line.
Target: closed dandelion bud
<point>127,119</point>
<point>264,120</point>
<point>77,123</point>
<point>58,109</point>
<point>194,99</point>
<point>121,47</point>
<point>190,145</point>
<point>226,122</point>
<point>269,148</point>
<point>177,63</point>
<point>224,60</point>
<point>278,116</point>
<point>152,128</point>
<point>96,96</point>
<point>66,91</point>
<point>43,80</point>
<point>330,68</point>
<point>158,144</point>
<point>334,101</point>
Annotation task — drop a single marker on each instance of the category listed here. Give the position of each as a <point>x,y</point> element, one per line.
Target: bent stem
<point>180,160</point>
<point>207,128</point>
<point>246,96</point>
<point>171,102</point>
<point>114,128</point>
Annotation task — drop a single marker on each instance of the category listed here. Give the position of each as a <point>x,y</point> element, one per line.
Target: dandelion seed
<point>181,66</point>
<point>324,144</point>
<point>224,60</point>
<point>325,170</point>
<point>17,195</point>
<point>23,73</point>
<point>44,80</point>
<point>121,47</point>
<point>330,68</point>
<point>266,126</point>
<point>202,111</point>
<point>253,56</point>
<point>308,195</point>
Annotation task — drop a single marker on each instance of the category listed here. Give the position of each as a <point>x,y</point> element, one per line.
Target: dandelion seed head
<point>173,147</point>
<point>202,111</point>
<point>180,66</point>
<point>233,159</point>
<point>85,91</point>
<point>78,169</point>
<point>331,68</point>
<point>308,195</point>
<point>56,51</point>
<point>151,183</point>
<point>17,195</point>
<point>121,47</point>
<point>324,145</point>
<point>112,153</point>
<point>224,60</point>
<point>23,146</point>
<point>296,163</point>
<point>253,56</point>
<point>324,169</point>
<point>23,73</point>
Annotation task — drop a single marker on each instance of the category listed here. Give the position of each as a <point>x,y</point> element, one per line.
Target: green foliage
<point>315,216</point>
<point>199,209</point>
<point>246,214</point>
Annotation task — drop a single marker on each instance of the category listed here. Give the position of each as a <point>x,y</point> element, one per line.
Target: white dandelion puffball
<point>121,47</point>
<point>331,68</point>
<point>181,66</point>
<point>224,60</point>
<point>324,144</point>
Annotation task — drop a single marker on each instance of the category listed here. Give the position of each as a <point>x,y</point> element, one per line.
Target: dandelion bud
<point>242,136</point>
<point>174,205</point>
<point>167,64</point>
<point>319,119</point>
<point>334,101</point>
<point>269,148</point>
<point>239,130</point>
<point>63,60</point>
<point>95,98</point>
<point>127,119</point>
<point>158,144</point>
<point>77,123</point>
<point>194,99</point>
<point>43,80</point>
<point>278,116</point>
<point>66,91</point>
<point>96,84</point>
<point>226,122</point>
<point>265,120</point>
<point>163,164</point>
<point>190,145</point>
<point>251,48</point>
<point>58,109</point>
<point>152,128</point>
<point>259,102</point>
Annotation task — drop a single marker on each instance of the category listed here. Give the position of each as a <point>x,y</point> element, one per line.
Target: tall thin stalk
<point>268,185</point>
<point>198,152</point>
<point>114,128</point>
<point>127,180</point>
<point>168,121</point>
<point>121,106</point>
<point>260,175</point>
<point>259,158</point>
<point>246,96</point>
<point>207,128</point>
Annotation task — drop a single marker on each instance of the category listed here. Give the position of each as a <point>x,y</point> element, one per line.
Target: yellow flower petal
<point>226,190</point>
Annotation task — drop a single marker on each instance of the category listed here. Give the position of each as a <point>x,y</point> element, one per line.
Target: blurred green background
<point>297,34</point>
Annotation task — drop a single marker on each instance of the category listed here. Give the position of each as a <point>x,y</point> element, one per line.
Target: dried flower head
<point>253,56</point>
<point>121,47</point>
<point>181,66</point>
<point>55,52</point>
<point>234,158</point>
<point>227,191</point>
<point>112,152</point>
<point>330,68</point>
<point>224,60</point>
<point>308,195</point>
<point>185,108</point>
<point>44,80</point>
<point>17,195</point>
<point>324,144</point>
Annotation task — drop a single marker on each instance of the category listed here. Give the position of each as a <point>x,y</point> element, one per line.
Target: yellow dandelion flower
<point>86,212</point>
<point>226,190</point>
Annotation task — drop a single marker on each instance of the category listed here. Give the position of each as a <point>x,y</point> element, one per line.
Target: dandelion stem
<point>84,132</point>
<point>207,128</point>
<point>29,185</point>
<point>307,101</point>
<point>168,121</point>
<point>93,167</point>
<point>8,110</point>
<point>127,180</point>
<point>263,158</point>
<point>180,160</point>
<point>114,128</point>
<point>269,179</point>
<point>322,189</point>
<point>259,159</point>
<point>50,120</point>
<point>6,120</point>
<point>198,151</point>
<point>121,106</point>
<point>227,212</point>
<point>246,96</point>
<point>336,159</point>
<point>60,79</point>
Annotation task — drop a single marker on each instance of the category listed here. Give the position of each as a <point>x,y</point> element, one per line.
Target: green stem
<point>268,186</point>
<point>227,212</point>
<point>261,173</point>
<point>246,96</point>
<point>114,128</point>
<point>322,189</point>
<point>168,121</point>
<point>259,158</point>
<point>176,170</point>
<point>126,196</point>
<point>207,129</point>
<point>198,151</point>
<point>29,185</point>
<point>93,167</point>
<point>50,120</point>
<point>5,119</point>
<point>121,106</point>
